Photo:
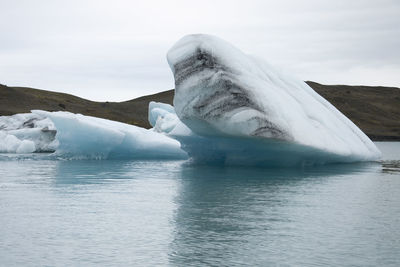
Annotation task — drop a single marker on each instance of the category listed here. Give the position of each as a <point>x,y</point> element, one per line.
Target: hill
<point>376,110</point>
<point>23,99</point>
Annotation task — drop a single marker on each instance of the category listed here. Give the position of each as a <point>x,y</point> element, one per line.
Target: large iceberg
<point>238,109</point>
<point>83,137</point>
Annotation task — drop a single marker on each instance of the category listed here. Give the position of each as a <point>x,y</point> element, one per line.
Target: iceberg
<point>26,133</point>
<point>82,136</point>
<point>75,136</point>
<point>238,109</point>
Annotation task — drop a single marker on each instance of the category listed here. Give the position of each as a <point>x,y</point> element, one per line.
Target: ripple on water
<point>391,166</point>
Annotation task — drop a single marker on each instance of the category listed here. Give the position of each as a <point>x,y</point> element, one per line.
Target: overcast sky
<point>116,50</point>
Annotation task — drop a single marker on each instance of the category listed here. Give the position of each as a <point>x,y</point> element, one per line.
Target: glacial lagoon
<point>171,213</point>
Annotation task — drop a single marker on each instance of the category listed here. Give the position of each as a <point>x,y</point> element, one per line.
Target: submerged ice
<point>239,109</point>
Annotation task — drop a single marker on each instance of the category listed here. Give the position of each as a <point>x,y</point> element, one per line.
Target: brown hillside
<point>374,109</point>
<point>23,99</point>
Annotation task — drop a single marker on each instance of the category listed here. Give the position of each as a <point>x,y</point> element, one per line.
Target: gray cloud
<point>115,50</point>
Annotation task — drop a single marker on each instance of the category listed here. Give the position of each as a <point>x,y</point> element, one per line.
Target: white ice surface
<point>26,146</point>
<point>234,102</point>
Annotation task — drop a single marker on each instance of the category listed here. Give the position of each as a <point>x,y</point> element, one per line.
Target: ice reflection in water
<point>150,213</point>
<point>230,216</point>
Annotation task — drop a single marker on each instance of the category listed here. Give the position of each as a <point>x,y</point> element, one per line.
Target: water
<point>168,213</point>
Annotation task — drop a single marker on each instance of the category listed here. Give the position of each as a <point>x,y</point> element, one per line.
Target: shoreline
<point>384,138</point>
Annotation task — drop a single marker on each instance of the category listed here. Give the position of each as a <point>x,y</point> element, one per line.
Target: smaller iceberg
<point>82,136</point>
<point>75,136</point>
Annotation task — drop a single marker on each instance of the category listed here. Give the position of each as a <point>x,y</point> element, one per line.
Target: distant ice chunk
<point>162,117</point>
<point>157,110</point>
<point>238,108</point>
<point>26,133</point>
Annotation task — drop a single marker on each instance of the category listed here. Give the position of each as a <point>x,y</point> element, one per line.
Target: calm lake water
<point>168,213</point>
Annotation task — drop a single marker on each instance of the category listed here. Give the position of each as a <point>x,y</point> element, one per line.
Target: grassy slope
<point>376,110</point>
<point>22,99</point>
